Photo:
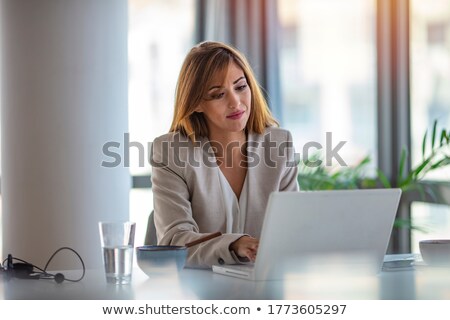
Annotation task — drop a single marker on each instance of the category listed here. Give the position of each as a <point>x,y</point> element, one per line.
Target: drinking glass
<point>117,239</point>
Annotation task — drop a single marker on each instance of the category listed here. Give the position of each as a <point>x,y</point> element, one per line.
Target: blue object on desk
<point>160,259</point>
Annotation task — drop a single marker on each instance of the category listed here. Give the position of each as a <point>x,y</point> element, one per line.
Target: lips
<point>236,115</point>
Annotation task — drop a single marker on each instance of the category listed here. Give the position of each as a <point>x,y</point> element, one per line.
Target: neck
<point>229,137</point>
<point>224,143</point>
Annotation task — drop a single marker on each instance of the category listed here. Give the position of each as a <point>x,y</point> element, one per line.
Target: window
<point>432,219</point>
<point>160,34</point>
<point>328,73</point>
<point>328,78</point>
<point>430,101</point>
<point>430,73</point>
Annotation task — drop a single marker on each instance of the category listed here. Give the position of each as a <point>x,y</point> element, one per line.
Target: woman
<point>223,157</point>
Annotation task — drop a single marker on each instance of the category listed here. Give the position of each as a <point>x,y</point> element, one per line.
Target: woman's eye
<point>217,95</point>
<point>242,87</point>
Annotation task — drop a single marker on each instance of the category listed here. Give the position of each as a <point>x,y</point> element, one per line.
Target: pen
<point>203,239</point>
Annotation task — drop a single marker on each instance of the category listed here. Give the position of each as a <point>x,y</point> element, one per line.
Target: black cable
<point>43,272</point>
<point>20,260</point>
<point>79,257</point>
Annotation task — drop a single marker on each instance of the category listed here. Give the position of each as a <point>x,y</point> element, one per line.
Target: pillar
<point>64,96</point>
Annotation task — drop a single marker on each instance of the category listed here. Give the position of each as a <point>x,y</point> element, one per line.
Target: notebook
<point>303,226</point>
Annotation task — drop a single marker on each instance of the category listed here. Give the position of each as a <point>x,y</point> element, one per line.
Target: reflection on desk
<point>415,283</point>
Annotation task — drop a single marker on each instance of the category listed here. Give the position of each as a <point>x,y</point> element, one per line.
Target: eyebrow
<point>234,82</point>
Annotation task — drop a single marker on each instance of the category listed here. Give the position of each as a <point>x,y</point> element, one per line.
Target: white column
<point>64,97</point>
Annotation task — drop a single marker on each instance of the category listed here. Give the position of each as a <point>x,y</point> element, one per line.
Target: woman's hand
<point>245,246</point>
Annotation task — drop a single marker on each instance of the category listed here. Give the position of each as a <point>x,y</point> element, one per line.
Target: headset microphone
<point>26,270</point>
<point>59,277</point>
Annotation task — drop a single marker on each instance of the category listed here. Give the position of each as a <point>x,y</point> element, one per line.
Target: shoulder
<point>274,141</point>
<point>275,134</point>
<point>169,146</point>
<point>175,142</point>
<point>176,150</point>
<point>278,132</point>
<point>170,137</point>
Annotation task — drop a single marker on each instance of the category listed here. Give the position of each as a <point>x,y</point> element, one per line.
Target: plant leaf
<point>441,163</point>
<point>424,144</point>
<point>407,223</point>
<point>433,137</point>
<point>443,139</point>
<point>384,180</point>
<point>415,173</point>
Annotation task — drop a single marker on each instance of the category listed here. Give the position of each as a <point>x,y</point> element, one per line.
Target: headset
<point>27,270</point>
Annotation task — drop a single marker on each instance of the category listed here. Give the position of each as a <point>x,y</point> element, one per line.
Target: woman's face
<point>226,106</point>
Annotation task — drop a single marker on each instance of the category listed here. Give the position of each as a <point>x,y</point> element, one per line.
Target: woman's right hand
<point>245,246</point>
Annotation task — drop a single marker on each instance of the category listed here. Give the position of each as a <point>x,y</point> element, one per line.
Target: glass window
<point>433,221</point>
<point>160,34</point>
<point>328,74</point>
<point>430,73</point>
<point>141,204</point>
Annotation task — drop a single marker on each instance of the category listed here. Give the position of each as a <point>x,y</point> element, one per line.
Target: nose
<point>233,100</point>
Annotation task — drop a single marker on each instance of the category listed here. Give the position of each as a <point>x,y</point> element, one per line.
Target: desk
<point>421,283</point>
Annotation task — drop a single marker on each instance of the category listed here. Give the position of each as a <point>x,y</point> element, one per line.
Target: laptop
<point>302,226</point>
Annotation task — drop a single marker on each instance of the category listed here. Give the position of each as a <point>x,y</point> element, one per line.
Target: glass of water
<point>117,239</point>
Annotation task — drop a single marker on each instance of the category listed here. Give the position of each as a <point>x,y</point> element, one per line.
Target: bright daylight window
<point>430,100</point>
<point>430,72</point>
<point>160,34</point>
<point>328,74</point>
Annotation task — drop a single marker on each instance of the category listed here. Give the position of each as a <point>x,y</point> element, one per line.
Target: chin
<point>239,129</point>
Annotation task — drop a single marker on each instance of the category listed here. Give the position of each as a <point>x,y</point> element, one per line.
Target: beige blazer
<point>188,200</point>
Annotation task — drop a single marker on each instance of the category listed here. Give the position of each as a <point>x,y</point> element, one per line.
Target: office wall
<point>64,97</point>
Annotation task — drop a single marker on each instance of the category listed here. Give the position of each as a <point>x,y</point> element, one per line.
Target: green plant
<point>435,155</point>
<point>313,175</point>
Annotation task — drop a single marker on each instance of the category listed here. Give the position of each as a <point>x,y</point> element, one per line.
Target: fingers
<point>253,244</point>
<point>251,255</point>
<point>248,247</point>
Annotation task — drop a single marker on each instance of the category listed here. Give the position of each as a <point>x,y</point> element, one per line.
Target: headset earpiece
<point>59,277</point>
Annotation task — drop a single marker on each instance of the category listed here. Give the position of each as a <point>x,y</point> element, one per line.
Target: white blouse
<point>235,210</point>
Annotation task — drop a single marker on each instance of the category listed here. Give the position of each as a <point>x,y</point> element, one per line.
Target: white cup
<point>435,252</point>
<point>117,239</point>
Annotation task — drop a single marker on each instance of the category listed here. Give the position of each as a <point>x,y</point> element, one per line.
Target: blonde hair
<point>198,70</point>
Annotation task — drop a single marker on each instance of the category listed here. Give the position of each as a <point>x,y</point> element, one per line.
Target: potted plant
<point>435,155</point>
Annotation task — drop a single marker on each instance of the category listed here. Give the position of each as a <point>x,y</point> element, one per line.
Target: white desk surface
<point>418,283</point>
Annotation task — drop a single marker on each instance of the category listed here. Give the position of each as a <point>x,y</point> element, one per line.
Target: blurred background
<point>374,73</point>
<point>321,63</point>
